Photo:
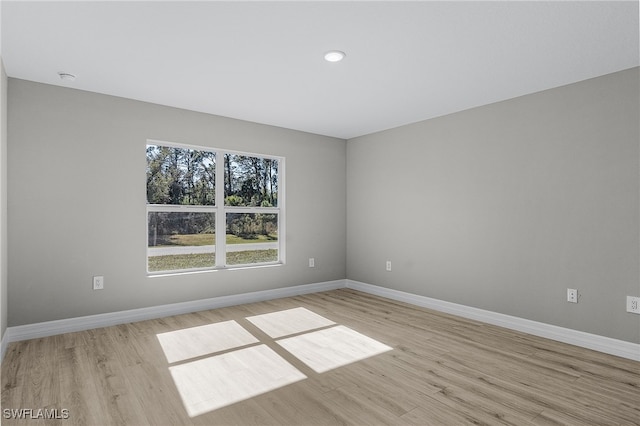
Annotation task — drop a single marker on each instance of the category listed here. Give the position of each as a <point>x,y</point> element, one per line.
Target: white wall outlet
<point>98,282</point>
<point>633,304</point>
<point>389,265</point>
<point>572,295</point>
<point>312,262</point>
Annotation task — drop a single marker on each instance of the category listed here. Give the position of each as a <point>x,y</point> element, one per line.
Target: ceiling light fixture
<point>66,76</point>
<point>334,56</point>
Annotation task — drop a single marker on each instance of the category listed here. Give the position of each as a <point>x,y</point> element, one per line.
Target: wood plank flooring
<point>443,370</point>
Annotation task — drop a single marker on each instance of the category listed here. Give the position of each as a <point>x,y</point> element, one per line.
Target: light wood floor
<point>443,370</point>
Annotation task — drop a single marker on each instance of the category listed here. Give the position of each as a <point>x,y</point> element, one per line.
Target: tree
<point>180,176</point>
<point>253,179</point>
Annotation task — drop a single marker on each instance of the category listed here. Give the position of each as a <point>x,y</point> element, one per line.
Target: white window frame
<point>220,211</point>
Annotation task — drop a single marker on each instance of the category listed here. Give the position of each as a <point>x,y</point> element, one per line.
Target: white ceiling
<point>263,61</point>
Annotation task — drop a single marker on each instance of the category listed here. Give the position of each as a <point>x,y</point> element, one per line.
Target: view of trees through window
<point>182,214</point>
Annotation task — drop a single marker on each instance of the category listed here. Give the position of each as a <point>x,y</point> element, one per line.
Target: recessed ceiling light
<point>66,76</point>
<point>334,56</point>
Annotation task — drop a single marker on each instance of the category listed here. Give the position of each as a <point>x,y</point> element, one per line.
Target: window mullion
<point>221,221</point>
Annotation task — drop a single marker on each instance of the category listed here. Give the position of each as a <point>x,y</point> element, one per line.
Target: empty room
<point>320,212</point>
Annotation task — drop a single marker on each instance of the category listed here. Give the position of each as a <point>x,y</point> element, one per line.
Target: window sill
<point>209,270</point>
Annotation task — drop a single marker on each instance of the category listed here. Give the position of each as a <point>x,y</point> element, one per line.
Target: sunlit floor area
<point>215,382</point>
<point>220,380</point>
<point>331,348</point>
<point>290,321</point>
<point>192,342</point>
<point>332,358</point>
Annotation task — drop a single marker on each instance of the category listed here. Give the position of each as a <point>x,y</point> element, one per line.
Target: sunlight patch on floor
<point>211,383</point>
<point>218,380</point>
<point>193,342</point>
<point>333,347</point>
<point>290,321</point>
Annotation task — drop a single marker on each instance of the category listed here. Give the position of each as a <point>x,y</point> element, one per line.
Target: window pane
<point>181,240</point>
<point>180,176</point>
<point>252,238</point>
<point>250,181</point>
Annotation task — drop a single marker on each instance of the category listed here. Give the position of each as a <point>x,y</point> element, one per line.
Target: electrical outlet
<point>633,304</point>
<point>389,265</point>
<point>572,295</point>
<point>98,282</point>
<point>312,262</point>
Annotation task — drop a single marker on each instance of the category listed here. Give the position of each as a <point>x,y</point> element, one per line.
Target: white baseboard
<point>51,328</point>
<point>607,345</point>
<point>586,340</point>
<point>4,342</point>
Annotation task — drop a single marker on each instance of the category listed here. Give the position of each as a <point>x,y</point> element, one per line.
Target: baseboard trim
<point>603,344</point>
<point>578,338</point>
<point>4,342</point>
<point>51,328</point>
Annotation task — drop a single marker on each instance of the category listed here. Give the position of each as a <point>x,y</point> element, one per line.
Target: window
<point>211,209</point>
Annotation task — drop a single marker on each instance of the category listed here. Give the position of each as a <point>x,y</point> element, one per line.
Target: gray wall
<point>3,199</point>
<point>505,206</point>
<point>77,203</point>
